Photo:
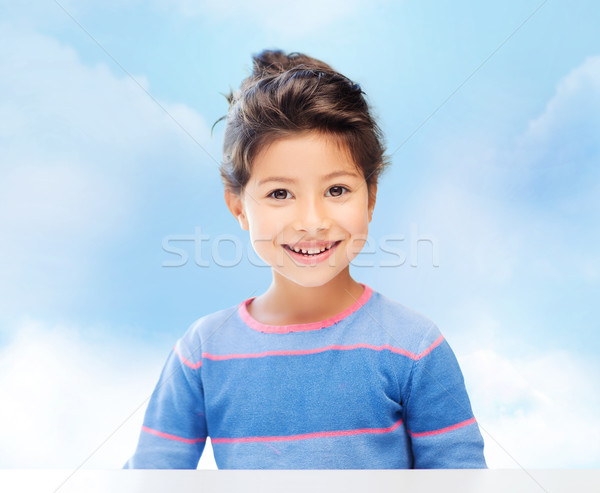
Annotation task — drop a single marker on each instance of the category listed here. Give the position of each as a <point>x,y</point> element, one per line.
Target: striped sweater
<point>376,386</point>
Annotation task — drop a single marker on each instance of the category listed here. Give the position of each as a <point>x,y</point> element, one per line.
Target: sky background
<point>489,212</point>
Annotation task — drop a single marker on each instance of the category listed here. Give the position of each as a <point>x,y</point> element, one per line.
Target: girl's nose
<point>312,216</point>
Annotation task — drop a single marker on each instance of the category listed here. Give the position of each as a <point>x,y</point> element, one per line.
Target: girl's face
<point>305,194</point>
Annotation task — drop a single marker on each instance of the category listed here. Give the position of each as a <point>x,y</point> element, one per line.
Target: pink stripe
<point>435,344</point>
<point>404,352</point>
<point>443,430</point>
<point>193,366</point>
<point>283,329</point>
<point>304,436</point>
<point>172,437</point>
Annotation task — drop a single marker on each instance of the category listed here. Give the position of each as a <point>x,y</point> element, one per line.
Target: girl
<point>320,371</point>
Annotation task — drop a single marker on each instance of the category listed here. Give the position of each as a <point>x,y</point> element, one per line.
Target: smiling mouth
<point>311,252</point>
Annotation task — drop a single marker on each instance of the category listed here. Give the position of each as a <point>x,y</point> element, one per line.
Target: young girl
<point>320,371</point>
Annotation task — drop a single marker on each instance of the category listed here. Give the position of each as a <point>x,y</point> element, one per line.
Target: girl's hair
<point>291,94</point>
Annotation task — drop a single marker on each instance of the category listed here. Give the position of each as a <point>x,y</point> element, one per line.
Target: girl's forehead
<point>313,154</point>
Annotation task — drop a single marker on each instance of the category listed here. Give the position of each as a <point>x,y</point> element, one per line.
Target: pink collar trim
<point>283,329</point>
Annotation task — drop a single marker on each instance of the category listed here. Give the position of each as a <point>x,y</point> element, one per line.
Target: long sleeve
<point>440,422</point>
<point>174,430</point>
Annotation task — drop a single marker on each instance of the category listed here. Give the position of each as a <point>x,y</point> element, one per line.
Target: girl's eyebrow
<point>285,179</point>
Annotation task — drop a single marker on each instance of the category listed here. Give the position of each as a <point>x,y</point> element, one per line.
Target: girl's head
<point>302,155</point>
<point>294,94</point>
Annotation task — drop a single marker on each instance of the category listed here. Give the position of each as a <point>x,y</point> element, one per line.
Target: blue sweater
<point>375,387</point>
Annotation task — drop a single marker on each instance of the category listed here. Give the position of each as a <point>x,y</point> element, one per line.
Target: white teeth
<point>310,251</point>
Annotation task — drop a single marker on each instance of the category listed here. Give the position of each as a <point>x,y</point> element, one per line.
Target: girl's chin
<point>308,277</point>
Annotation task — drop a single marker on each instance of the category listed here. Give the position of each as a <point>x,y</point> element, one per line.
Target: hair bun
<point>273,62</point>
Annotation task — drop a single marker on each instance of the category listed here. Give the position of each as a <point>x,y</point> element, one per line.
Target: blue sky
<point>98,170</point>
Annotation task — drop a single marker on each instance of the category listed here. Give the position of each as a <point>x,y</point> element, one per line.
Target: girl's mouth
<point>311,252</point>
<point>311,255</point>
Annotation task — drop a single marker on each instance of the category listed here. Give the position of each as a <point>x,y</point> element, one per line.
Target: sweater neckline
<point>284,329</point>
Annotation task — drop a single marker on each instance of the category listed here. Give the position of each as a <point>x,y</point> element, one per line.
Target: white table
<point>154,481</point>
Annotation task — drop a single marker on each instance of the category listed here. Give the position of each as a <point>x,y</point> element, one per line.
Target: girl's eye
<point>279,194</point>
<point>337,191</point>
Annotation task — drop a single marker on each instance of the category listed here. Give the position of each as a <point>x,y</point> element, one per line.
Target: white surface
<point>464,481</point>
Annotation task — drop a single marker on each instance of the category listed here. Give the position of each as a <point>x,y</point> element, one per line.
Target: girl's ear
<point>372,199</point>
<point>236,207</point>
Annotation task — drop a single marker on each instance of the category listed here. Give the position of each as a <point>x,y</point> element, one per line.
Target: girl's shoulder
<point>205,326</point>
<point>404,326</point>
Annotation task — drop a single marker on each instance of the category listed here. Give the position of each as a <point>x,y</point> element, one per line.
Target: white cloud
<point>566,133</point>
<point>81,150</point>
<point>283,19</point>
<point>503,211</point>
<point>536,411</point>
<point>517,224</point>
<point>555,160</point>
<point>288,19</point>
<point>66,391</point>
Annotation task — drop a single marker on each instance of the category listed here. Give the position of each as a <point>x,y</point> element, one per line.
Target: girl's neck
<point>287,303</point>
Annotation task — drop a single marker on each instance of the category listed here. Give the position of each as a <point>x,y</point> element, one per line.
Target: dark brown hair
<point>291,94</point>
